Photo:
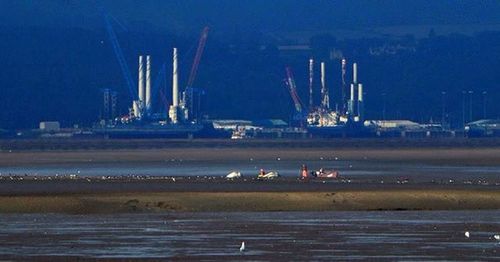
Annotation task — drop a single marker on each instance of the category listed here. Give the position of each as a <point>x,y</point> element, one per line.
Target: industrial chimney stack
<point>355,106</point>
<point>325,97</point>
<point>148,85</point>
<point>174,108</point>
<point>138,105</point>
<point>140,85</point>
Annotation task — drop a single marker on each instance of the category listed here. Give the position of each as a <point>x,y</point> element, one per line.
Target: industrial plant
<point>182,117</point>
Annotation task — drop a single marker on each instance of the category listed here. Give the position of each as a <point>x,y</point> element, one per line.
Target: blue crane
<point>132,88</point>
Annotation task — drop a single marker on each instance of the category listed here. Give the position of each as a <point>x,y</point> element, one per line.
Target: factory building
<point>484,127</point>
<point>49,126</point>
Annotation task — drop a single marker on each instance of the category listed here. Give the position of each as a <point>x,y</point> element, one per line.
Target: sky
<point>260,15</point>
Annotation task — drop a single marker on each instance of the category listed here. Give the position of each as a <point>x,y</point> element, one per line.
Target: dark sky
<point>259,15</point>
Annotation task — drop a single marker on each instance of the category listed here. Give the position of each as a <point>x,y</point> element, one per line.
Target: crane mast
<point>197,58</point>
<point>292,88</point>
<point>119,55</point>
<point>189,93</point>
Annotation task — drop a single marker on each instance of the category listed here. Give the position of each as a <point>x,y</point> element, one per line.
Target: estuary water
<point>179,167</point>
<point>298,236</point>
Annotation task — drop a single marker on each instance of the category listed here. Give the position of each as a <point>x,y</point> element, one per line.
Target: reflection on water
<point>412,235</point>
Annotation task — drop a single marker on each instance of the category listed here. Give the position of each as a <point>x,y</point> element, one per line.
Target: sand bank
<point>395,199</point>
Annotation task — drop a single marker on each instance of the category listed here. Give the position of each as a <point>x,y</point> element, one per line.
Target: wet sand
<point>465,156</point>
<point>143,194</point>
<point>123,197</point>
<point>269,236</point>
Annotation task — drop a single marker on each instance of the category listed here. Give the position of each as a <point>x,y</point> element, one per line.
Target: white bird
<point>467,234</point>
<point>234,174</point>
<point>242,248</point>
<point>497,237</point>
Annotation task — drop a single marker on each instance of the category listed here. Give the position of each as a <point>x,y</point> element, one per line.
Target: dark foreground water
<point>298,236</point>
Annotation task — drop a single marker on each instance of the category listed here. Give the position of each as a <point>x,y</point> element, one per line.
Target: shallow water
<point>251,167</point>
<point>408,235</point>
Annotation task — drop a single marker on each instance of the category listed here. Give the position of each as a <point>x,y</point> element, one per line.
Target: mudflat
<point>145,194</point>
<point>389,199</point>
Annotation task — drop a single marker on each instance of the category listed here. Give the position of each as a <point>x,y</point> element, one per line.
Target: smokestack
<point>311,77</point>
<point>355,73</point>
<point>148,84</point>
<point>325,98</point>
<point>350,103</point>
<point>175,87</point>
<point>141,81</point>
<point>135,108</point>
<point>360,102</point>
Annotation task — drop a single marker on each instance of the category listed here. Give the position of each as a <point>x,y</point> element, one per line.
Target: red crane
<point>197,57</point>
<point>292,88</point>
<point>191,93</point>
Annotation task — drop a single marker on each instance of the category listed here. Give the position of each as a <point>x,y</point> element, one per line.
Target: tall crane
<point>197,57</point>
<point>119,55</point>
<point>189,93</point>
<point>300,114</point>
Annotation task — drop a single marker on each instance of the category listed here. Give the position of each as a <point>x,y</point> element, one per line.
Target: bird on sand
<point>242,248</point>
<point>467,234</point>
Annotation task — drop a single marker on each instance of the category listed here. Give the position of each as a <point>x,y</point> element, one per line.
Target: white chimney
<point>352,92</point>
<point>135,109</point>
<point>323,86</point>
<point>141,81</point>
<point>355,73</point>
<point>175,87</point>
<point>324,92</point>
<point>148,84</point>
<point>360,102</point>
